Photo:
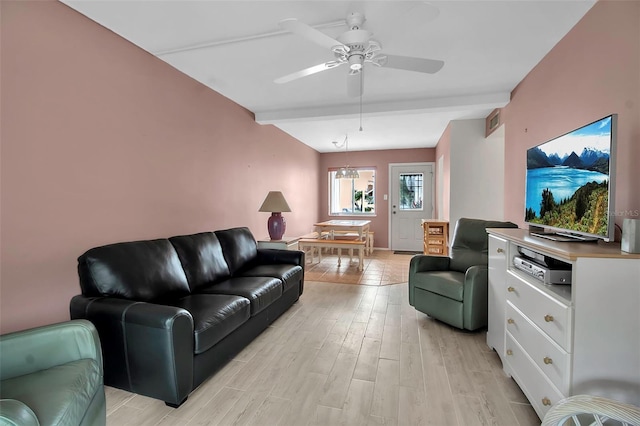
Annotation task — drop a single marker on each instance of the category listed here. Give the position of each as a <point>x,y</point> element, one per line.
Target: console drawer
<point>548,356</point>
<point>542,394</point>
<point>552,316</point>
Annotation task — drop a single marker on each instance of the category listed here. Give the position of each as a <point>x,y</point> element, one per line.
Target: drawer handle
<point>547,360</point>
<point>548,318</point>
<point>511,321</point>
<point>511,289</point>
<point>500,250</point>
<point>546,401</point>
<point>509,352</point>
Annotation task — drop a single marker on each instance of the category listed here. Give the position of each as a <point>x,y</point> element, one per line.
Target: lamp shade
<point>274,202</point>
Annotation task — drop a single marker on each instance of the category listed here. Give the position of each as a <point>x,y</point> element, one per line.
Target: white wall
<point>477,172</point>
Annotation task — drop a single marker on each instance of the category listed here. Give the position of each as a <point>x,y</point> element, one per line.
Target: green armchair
<point>52,375</point>
<point>454,289</point>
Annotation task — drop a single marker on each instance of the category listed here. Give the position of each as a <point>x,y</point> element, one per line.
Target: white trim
<point>440,188</point>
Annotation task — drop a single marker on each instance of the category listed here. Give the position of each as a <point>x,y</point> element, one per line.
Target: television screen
<point>569,181</point>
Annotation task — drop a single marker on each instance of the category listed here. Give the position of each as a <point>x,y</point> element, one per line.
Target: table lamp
<point>276,204</point>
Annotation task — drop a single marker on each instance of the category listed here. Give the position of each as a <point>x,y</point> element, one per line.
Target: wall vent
<point>493,121</point>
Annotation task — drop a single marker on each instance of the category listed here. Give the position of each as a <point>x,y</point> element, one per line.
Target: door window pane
<point>349,196</point>
<point>411,191</point>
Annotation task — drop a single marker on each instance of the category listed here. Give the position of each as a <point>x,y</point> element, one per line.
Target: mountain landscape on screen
<point>568,180</point>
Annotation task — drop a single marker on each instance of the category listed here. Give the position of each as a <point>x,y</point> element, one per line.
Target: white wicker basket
<point>583,410</point>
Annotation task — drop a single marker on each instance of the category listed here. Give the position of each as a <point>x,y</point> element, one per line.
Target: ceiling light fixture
<point>346,172</point>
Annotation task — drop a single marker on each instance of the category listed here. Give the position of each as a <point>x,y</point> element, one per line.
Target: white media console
<point>558,340</point>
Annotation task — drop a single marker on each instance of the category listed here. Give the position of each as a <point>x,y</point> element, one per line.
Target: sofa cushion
<point>138,270</point>
<point>202,259</point>
<point>445,283</point>
<point>261,291</point>
<point>59,395</point>
<point>290,275</point>
<point>470,243</point>
<point>214,316</point>
<point>239,247</point>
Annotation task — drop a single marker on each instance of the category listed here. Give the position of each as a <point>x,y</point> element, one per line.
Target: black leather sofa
<point>171,312</point>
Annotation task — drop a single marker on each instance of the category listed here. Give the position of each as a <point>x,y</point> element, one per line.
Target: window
<point>352,196</point>
<point>411,191</point>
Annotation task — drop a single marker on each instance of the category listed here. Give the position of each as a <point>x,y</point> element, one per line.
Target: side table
<point>286,243</point>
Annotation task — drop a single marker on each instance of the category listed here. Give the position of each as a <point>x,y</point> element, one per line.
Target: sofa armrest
<point>475,296</point>
<point>40,348</point>
<point>426,263</point>
<point>275,256</point>
<point>148,348</point>
<point>16,413</point>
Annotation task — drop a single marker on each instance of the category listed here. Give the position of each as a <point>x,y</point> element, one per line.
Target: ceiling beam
<point>215,43</point>
<point>453,103</point>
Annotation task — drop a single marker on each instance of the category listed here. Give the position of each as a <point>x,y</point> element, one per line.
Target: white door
<point>411,190</point>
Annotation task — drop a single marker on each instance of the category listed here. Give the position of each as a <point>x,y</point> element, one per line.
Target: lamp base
<point>276,226</point>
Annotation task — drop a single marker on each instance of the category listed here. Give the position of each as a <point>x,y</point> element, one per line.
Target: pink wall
<point>380,160</point>
<point>592,72</point>
<point>443,149</point>
<point>102,142</point>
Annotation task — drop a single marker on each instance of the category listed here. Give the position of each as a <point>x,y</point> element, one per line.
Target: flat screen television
<point>570,184</point>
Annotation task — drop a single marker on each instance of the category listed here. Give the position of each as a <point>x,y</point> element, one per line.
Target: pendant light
<point>346,172</point>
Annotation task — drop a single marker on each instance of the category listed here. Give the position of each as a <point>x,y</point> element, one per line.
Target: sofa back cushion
<point>202,259</point>
<point>239,247</point>
<point>137,270</point>
<point>470,243</point>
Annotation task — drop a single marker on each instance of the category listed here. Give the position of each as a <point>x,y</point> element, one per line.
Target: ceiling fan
<point>356,48</point>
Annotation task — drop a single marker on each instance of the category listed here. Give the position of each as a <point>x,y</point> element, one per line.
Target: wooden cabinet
<point>566,339</point>
<point>436,237</point>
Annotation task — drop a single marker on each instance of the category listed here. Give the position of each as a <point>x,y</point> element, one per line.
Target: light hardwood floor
<point>347,355</point>
<point>382,267</point>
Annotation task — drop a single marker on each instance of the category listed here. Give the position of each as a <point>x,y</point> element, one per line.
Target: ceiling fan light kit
<point>356,48</point>
<point>355,62</point>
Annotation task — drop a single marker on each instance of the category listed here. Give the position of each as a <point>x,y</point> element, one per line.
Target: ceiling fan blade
<point>409,63</point>
<point>307,71</point>
<point>308,32</point>
<point>355,84</point>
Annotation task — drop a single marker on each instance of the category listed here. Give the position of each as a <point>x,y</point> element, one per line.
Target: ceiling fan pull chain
<point>361,72</point>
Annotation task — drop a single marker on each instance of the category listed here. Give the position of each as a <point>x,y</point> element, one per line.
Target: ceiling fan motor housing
<point>356,41</point>
<point>356,38</point>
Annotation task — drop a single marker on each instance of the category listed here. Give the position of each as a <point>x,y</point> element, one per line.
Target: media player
<point>543,273</point>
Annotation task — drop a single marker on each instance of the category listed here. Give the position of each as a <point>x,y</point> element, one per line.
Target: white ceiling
<point>238,49</point>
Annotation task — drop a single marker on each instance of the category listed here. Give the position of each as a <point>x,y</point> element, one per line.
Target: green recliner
<point>454,289</point>
<point>52,375</point>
